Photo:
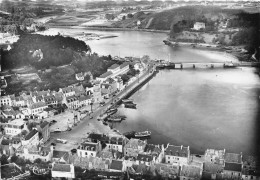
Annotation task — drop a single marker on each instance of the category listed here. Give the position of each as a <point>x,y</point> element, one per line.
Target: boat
<point>116,118</point>
<point>105,123</point>
<point>143,134</point>
<point>111,111</point>
<point>127,100</point>
<point>229,65</point>
<point>130,105</point>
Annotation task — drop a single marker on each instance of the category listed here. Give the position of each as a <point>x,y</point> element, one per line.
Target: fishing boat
<point>143,134</point>
<point>127,100</point>
<point>111,111</point>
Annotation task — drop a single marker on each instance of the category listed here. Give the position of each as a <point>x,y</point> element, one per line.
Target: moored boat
<point>130,105</point>
<point>143,134</point>
<point>127,100</point>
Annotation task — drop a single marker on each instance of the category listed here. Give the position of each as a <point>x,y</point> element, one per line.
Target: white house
<point>72,102</point>
<point>177,155</point>
<point>14,127</point>
<point>6,100</point>
<point>62,170</point>
<point>87,149</point>
<point>199,25</point>
<point>115,143</point>
<point>31,139</point>
<point>36,108</point>
<point>104,76</point>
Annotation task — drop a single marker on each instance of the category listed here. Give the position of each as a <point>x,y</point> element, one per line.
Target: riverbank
<point>236,53</point>
<point>111,29</point>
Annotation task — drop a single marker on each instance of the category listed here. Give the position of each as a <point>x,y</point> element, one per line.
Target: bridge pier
<point>181,66</point>
<point>193,66</point>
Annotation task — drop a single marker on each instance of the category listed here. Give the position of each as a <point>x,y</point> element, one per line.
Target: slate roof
<point>116,165</point>
<point>233,167</point>
<point>190,171</point>
<point>152,148</point>
<point>37,105</point>
<point>61,167</point>
<point>233,158</point>
<point>50,98</point>
<point>134,143</point>
<point>67,89</point>
<point>61,154</point>
<point>116,140</point>
<point>72,98</point>
<point>249,160</point>
<point>144,157</point>
<point>124,65</point>
<point>19,98</point>
<point>167,169</point>
<point>180,151</point>
<point>212,168</point>
<point>82,98</point>
<point>31,134</point>
<point>106,74</point>
<point>114,66</point>
<point>43,124</point>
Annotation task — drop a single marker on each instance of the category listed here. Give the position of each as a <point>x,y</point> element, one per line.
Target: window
<point>169,157</point>
<point>86,153</point>
<point>91,154</point>
<point>168,161</point>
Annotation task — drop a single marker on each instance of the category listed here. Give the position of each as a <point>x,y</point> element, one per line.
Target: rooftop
<point>233,167</point>
<point>114,66</point>
<point>88,146</point>
<point>144,157</point>
<point>37,105</point>
<point>249,160</point>
<point>215,153</point>
<point>116,165</point>
<point>106,74</point>
<point>17,122</point>
<point>152,148</point>
<point>212,168</point>
<point>60,154</point>
<point>233,158</point>
<point>124,65</point>
<point>43,124</point>
<point>177,151</point>
<point>61,167</point>
<point>67,89</point>
<point>31,134</point>
<point>134,143</point>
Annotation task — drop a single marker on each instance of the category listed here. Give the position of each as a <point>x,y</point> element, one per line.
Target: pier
<point>213,65</point>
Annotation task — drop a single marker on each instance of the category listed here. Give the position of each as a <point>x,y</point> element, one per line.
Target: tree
<point>14,158</point>
<point>3,159</point>
<point>38,161</point>
<point>130,15</point>
<point>123,18</point>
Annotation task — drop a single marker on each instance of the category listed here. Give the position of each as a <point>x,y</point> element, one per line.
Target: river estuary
<point>201,108</point>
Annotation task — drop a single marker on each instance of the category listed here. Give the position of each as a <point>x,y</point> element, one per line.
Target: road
<point>88,125</point>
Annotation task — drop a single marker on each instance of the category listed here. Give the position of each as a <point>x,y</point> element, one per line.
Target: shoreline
<point>110,28</point>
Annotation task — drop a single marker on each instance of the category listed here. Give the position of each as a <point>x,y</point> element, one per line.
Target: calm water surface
<point>202,108</point>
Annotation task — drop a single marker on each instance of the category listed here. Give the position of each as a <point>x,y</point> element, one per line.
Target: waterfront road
<point>88,125</point>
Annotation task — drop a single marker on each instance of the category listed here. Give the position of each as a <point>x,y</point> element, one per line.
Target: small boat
<point>130,134</point>
<point>111,111</point>
<point>127,100</point>
<point>143,134</point>
<point>132,106</point>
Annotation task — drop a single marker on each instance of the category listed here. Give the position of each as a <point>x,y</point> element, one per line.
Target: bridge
<point>194,65</point>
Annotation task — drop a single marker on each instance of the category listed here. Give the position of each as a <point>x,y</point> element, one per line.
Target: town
<point>32,119</point>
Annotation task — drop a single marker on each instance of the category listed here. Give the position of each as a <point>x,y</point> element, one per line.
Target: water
<point>197,108</point>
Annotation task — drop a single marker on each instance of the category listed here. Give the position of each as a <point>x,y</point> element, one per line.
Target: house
<point>44,130</point>
<point>215,156</point>
<point>67,91</point>
<point>134,147</point>
<point>212,171</point>
<point>9,112</point>
<point>72,102</point>
<point>250,169</point>
<point>58,96</point>
<point>96,93</point>
<point>233,166</point>
<point>178,155</point>
<point>119,83</point>
<point>145,159</point>
<point>36,108</point>
<point>62,171</point>
<point>116,166</point>
<point>14,127</point>
<point>190,172</point>
<point>60,156</point>
<point>84,100</point>
<point>32,138</point>
<point>88,149</point>
<point>115,143</point>
<point>79,76</point>
<point>115,68</point>
<point>50,100</point>
<point>199,26</point>
<point>38,98</point>
<point>155,151</point>
<point>6,100</point>
<point>19,101</point>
